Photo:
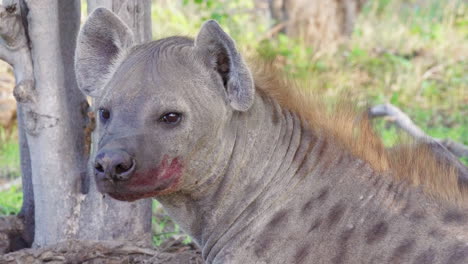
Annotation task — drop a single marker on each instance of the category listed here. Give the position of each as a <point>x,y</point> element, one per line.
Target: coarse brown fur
<point>413,163</point>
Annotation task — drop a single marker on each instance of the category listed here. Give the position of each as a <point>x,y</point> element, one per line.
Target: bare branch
<point>273,31</point>
<point>456,148</point>
<point>445,150</point>
<point>14,50</point>
<point>405,123</point>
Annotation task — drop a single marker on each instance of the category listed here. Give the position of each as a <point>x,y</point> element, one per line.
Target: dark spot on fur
<point>344,238</point>
<point>454,217</point>
<point>315,225</point>
<point>377,179</point>
<point>307,207</point>
<point>323,194</point>
<point>425,257</point>
<point>340,257</point>
<point>417,216</point>
<point>407,207</point>
<point>361,165</point>
<point>437,234</point>
<point>335,214</point>
<point>340,159</point>
<point>302,254</point>
<point>346,235</point>
<point>269,233</point>
<point>398,191</point>
<point>390,186</point>
<point>326,164</point>
<point>303,169</point>
<point>377,232</point>
<point>275,116</point>
<point>458,254</point>
<point>322,148</point>
<point>264,245</point>
<point>400,254</point>
<point>278,218</point>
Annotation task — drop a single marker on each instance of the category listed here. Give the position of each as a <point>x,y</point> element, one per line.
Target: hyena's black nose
<point>116,165</point>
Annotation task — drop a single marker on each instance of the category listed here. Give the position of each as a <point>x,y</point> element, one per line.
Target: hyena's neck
<point>284,184</point>
<point>269,156</point>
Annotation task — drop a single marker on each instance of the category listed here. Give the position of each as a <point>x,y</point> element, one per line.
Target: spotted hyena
<point>253,169</point>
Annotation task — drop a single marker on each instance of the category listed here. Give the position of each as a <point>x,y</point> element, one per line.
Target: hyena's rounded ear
<point>103,40</point>
<point>219,52</point>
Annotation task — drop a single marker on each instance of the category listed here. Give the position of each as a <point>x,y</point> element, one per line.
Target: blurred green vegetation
<point>11,200</point>
<point>164,227</point>
<point>411,53</point>
<point>9,155</point>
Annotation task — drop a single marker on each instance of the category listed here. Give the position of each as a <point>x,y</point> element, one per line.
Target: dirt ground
<point>172,251</point>
<point>106,252</point>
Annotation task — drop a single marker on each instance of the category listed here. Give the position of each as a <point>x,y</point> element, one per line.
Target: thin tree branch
<point>406,124</point>
<point>445,151</point>
<point>14,49</point>
<point>273,31</point>
<point>399,118</point>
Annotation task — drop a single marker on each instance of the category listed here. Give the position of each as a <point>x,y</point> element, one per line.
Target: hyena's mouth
<point>164,179</point>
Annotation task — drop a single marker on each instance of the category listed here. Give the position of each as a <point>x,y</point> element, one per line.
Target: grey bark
<point>14,49</point>
<point>135,13</point>
<point>53,120</point>
<point>118,220</point>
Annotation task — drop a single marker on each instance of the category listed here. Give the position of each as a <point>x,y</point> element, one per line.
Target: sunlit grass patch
<point>9,155</point>
<point>11,200</point>
<point>163,227</point>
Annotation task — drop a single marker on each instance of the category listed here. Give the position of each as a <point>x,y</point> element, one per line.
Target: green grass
<point>11,200</point>
<point>164,227</point>
<point>9,155</point>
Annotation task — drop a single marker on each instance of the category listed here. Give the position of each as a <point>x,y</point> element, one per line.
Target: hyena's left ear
<point>219,53</point>
<point>102,41</point>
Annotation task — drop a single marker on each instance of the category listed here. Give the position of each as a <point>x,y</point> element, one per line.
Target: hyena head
<point>161,107</point>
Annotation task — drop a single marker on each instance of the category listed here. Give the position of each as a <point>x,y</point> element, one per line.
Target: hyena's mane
<point>347,126</point>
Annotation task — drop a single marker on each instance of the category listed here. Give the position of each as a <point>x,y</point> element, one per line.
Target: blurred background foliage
<point>411,53</point>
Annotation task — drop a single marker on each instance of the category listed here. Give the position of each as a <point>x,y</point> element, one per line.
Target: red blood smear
<point>161,175</point>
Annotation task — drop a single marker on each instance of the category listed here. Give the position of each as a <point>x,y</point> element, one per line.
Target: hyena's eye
<point>104,114</point>
<point>171,118</point>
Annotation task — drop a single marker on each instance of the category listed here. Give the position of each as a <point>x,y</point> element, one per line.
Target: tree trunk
<point>114,219</point>
<point>135,13</point>
<point>54,121</point>
<point>38,39</point>
<point>322,24</point>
